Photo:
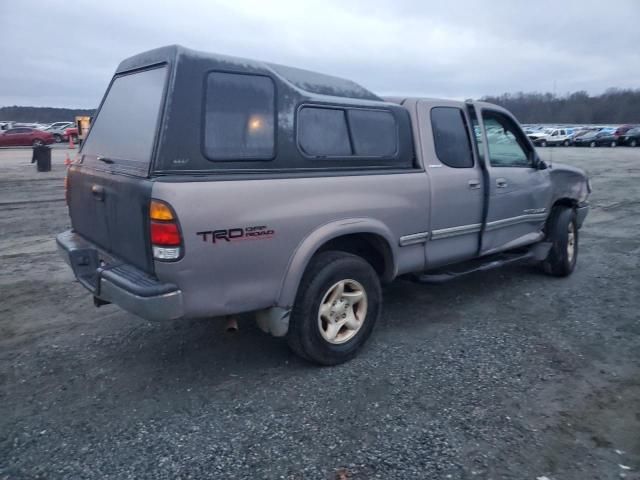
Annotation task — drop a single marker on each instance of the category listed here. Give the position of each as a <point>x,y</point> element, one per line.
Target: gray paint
<point>428,218</point>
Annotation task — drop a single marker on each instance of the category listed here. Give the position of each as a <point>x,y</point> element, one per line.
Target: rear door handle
<point>501,182</point>
<point>473,184</point>
<point>98,192</point>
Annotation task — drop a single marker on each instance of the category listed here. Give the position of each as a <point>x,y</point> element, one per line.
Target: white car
<point>552,136</point>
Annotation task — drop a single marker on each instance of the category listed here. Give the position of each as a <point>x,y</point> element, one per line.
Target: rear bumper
<point>119,283</point>
<point>581,213</point>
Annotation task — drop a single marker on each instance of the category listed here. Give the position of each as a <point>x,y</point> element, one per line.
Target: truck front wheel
<point>562,232</point>
<point>337,305</point>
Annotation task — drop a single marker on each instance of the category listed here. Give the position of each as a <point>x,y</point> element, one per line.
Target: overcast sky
<point>64,53</point>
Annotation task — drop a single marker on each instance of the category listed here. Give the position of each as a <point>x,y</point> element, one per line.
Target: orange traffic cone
<point>71,145</point>
<point>67,160</point>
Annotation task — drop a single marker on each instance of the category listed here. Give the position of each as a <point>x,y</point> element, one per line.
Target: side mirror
<point>541,164</point>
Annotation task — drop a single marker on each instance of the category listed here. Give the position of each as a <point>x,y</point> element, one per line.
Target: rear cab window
<point>451,137</point>
<point>123,133</point>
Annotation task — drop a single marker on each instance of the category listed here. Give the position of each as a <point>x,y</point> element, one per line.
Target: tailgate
<point>111,211</point>
<point>109,192</point>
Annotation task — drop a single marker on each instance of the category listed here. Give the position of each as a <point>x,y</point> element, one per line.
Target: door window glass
<point>507,147</point>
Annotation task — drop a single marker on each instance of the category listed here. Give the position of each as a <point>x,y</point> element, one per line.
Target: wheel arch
<point>565,202</point>
<point>368,238</point>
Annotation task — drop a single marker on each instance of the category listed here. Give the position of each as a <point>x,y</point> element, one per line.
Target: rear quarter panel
<point>239,275</point>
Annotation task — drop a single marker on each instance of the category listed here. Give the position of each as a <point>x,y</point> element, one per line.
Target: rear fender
<point>316,239</point>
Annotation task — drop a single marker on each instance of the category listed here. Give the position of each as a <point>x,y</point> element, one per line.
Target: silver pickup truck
<point>211,185</point>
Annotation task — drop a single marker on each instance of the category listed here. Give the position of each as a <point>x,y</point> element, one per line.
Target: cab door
<point>519,190</point>
<point>456,182</point>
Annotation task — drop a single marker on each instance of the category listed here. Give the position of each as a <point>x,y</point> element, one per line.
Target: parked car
<point>631,137</point>
<point>59,132</point>
<point>552,136</point>
<point>620,131</point>
<point>605,136</point>
<point>295,195</point>
<point>23,136</point>
<point>580,131</point>
<point>37,126</point>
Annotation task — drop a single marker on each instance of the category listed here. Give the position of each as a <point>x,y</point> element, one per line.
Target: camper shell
<point>181,141</point>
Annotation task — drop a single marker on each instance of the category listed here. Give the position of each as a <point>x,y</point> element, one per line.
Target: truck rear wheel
<point>337,305</point>
<point>562,232</point>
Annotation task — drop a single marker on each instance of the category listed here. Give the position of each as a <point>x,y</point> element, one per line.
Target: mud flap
<point>274,320</point>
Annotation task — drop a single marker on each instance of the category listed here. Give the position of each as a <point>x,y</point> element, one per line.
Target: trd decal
<point>260,232</point>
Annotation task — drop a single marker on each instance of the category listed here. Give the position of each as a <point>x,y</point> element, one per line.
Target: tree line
<point>613,106</point>
<point>42,114</point>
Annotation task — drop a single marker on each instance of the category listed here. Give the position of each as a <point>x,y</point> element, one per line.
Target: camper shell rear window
<point>124,131</point>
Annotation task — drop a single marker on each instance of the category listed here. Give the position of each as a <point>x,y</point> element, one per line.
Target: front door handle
<point>501,182</point>
<point>473,184</point>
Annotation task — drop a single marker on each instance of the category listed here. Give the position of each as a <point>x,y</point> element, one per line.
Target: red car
<point>23,137</point>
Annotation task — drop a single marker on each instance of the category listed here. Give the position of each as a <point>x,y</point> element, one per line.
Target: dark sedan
<point>597,139</point>
<point>631,137</point>
<point>25,137</point>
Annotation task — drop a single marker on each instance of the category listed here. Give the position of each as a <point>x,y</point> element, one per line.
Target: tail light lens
<point>165,234</point>
<point>166,238</point>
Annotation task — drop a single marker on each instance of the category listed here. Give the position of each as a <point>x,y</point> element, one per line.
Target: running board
<point>536,253</point>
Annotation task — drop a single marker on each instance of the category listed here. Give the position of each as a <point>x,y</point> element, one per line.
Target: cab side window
<point>451,137</point>
<point>507,146</point>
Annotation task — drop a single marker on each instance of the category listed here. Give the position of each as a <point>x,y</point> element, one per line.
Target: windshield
<point>124,131</point>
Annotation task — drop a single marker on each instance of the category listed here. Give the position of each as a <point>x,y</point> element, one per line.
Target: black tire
<point>592,144</point>
<point>633,143</point>
<point>37,143</point>
<point>566,143</point>
<point>57,138</point>
<point>613,144</point>
<point>543,143</point>
<point>324,271</point>
<point>560,262</point>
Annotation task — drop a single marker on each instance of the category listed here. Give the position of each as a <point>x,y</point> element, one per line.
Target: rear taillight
<point>166,239</point>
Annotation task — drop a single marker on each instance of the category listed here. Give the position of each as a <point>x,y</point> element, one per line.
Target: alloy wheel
<point>342,311</point>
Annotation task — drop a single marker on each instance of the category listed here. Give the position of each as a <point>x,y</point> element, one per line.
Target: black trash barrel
<point>42,158</point>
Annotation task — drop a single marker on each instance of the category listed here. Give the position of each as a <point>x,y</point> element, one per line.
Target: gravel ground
<point>507,374</point>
